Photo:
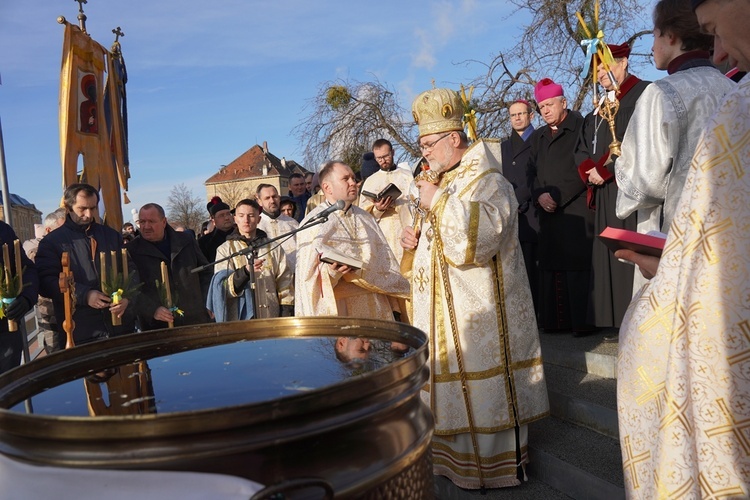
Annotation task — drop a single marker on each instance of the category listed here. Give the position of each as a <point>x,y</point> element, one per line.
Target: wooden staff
<point>66,288</point>
<point>165,280</point>
<point>12,325</point>
<point>103,270</point>
<point>116,321</point>
<point>124,253</point>
<point>19,268</point>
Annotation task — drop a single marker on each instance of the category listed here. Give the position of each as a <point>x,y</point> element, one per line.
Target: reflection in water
<point>172,379</point>
<point>360,355</point>
<point>128,391</point>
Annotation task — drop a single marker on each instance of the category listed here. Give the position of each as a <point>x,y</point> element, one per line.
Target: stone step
<point>583,399</point>
<point>586,354</point>
<point>576,461</point>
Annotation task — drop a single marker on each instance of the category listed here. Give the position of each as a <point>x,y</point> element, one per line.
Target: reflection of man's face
<point>384,156</point>
<point>84,209</point>
<point>297,186</point>
<point>270,200</point>
<point>340,184</point>
<point>223,220</point>
<point>349,348</point>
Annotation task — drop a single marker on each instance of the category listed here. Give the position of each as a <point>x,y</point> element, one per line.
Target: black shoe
<point>584,331</point>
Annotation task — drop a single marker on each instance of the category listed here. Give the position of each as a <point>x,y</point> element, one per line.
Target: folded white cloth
<point>21,481</point>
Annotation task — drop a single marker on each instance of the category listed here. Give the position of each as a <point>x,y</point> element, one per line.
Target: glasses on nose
<point>428,147</point>
<point>383,158</point>
<point>519,115</point>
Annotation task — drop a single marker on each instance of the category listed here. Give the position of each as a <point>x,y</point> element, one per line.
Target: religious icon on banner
<point>87,117</point>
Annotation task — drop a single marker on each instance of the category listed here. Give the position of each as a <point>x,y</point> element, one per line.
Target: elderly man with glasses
<point>471,296</point>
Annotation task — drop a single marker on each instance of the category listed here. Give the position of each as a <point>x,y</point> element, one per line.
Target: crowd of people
<point>491,239</point>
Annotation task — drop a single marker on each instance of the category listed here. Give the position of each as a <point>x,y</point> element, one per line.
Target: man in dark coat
<point>611,280</point>
<point>299,194</point>
<point>565,222</point>
<point>158,243</point>
<point>84,239</point>
<point>223,222</point>
<point>515,155</point>
<point>11,343</point>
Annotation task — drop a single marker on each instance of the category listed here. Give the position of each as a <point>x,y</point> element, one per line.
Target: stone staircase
<point>576,450</point>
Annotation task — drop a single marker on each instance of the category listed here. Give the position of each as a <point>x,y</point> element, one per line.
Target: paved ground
<point>533,490</point>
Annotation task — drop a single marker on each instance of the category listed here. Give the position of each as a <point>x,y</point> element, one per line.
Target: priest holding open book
<point>385,196</point>
<point>344,265</point>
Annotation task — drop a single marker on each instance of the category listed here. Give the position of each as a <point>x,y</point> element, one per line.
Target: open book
<point>390,190</point>
<point>647,244</point>
<point>331,256</point>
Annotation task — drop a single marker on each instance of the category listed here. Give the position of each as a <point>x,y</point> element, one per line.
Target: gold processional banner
<point>92,119</point>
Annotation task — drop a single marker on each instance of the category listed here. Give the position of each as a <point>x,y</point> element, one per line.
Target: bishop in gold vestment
<point>332,290</point>
<point>468,277</point>
<point>683,382</point>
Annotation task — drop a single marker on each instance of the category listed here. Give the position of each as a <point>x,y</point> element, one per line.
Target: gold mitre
<point>438,110</point>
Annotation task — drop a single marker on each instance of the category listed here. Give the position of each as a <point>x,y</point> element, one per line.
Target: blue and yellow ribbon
<point>176,310</point>
<point>117,296</point>
<point>5,302</point>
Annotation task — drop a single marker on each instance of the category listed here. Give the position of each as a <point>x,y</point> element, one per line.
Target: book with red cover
<point>615,239</point>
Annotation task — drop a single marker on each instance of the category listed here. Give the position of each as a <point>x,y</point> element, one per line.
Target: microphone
<point>339,205</point>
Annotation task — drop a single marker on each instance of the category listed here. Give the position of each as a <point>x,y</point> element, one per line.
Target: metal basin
<point>303,404</point>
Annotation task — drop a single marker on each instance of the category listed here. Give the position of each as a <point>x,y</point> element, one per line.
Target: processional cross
<point>81,15</point>
<point>118,33</point>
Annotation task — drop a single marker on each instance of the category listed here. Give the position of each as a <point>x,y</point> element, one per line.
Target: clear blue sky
<point>208,80</point>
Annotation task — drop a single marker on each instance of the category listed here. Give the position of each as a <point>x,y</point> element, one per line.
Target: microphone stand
<point>252,249</point>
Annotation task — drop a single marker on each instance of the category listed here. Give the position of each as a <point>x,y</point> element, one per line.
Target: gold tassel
<point>125,199</point>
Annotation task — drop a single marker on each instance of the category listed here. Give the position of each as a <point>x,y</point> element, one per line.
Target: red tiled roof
<point>250,164</point>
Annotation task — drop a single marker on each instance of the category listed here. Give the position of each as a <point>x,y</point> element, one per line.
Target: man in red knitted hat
<point>565,222</point>
<point>611,279</point>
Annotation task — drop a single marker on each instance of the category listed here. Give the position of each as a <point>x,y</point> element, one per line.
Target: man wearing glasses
<point>516,150</point>
<point>471,296</point>
<point>392,214</point>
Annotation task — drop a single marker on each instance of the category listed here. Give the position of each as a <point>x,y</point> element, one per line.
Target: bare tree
<point>184,207</point>
<point>232,192</point>
<point>345,118</point>
<point>550,46</point>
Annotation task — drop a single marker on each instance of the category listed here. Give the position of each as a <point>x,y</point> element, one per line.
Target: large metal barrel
<point>318,404</point>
